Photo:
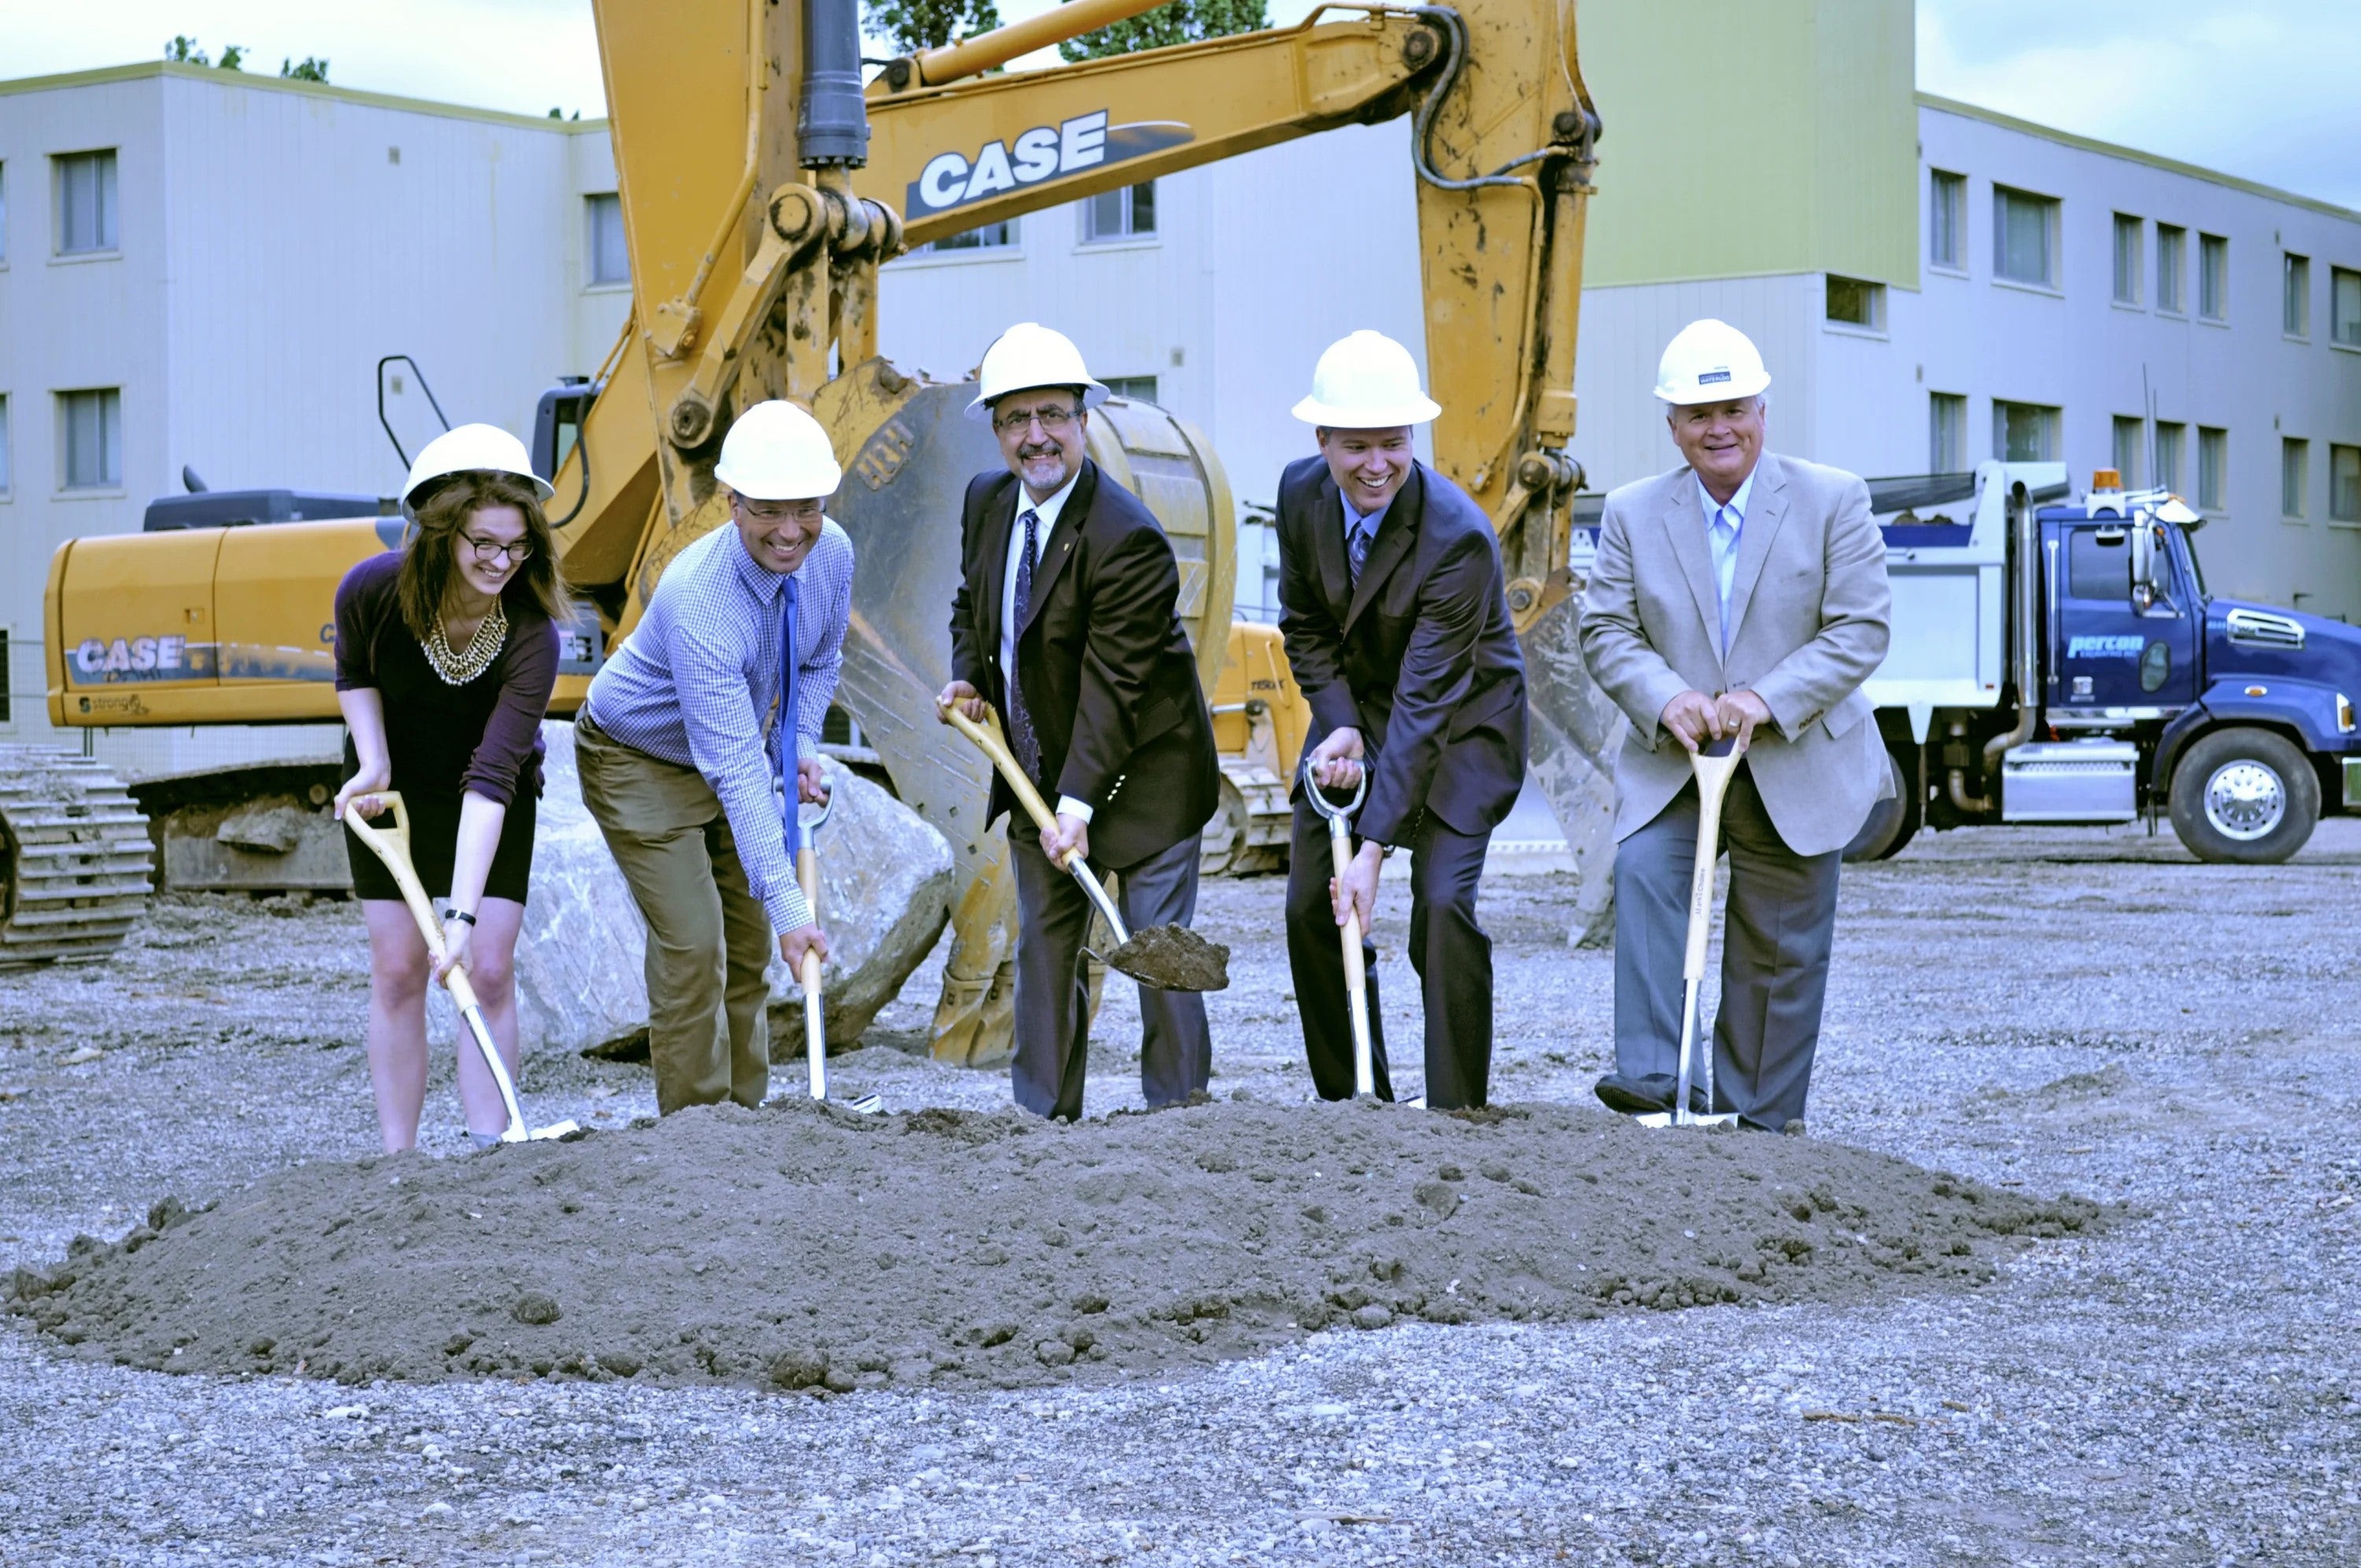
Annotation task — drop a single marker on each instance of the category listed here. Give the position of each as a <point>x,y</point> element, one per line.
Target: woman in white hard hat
<point>446,651</point>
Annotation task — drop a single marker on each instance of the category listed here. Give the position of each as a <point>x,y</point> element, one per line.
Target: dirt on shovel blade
<point>1173,958</point>
<point>805,1247</point>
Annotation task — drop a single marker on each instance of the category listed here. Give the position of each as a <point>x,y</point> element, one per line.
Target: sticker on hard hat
<point>1707,378</point>
<point>1046,152</point>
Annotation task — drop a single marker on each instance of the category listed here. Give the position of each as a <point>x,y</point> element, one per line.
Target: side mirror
<point>2143,543</point>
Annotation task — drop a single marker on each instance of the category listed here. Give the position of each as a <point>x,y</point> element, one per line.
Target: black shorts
<point>434,844</point>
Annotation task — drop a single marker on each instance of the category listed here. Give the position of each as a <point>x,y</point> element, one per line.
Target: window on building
<point>90,426</point>
<point>2345,484</point>
<point>7,478</point>
<point>610,262</point>
<point>1853,302</point>
<point>86,203</point>
<point>2212,470</point>
<point>2344,306</point>
<point>2295,296</point>
<point>991,236</point>
<point>2024,237</point>
<point>2024,433</point>
<point>1947,432</point>
<point>1947,219</point>
<point>2129,233</point>
<point>2131,441</point>
<point>4,214</point>
<point>2295,475</point>
<point>2172,248</point>
<point>1128,214</point>
<point>1142,388</point>
<point>2098,564</point>
<point>2171,441</point>
<point>2212,277</point>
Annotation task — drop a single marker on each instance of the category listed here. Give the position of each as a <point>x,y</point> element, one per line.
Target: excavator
<point>763,182</point>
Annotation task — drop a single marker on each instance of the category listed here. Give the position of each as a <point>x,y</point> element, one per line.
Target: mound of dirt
<point>802,1246</point>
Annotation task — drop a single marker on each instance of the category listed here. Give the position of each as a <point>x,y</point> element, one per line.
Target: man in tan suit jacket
<point>1741,594</point>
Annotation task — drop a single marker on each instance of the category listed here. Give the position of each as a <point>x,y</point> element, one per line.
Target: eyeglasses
<point>796,511</point>
<point>1053,420</point>
<point>488,550</point>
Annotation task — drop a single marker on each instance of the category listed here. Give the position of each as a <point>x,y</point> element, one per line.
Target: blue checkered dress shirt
<point>696,682</point>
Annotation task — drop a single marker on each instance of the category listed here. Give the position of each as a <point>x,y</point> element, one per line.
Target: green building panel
<point>1753,138</point>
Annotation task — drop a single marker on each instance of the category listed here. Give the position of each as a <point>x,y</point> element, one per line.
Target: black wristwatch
<point>451,915</point>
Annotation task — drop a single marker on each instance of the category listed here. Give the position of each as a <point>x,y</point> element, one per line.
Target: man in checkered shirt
<point>687,733</point>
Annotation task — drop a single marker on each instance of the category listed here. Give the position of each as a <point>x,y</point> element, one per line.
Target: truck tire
<point>1893,822</point>
<point>2244,796</point>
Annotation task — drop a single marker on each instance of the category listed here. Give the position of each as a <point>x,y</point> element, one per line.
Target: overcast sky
<point>2258,88</point>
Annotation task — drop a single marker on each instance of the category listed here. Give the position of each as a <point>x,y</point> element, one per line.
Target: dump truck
<point>2056,658</point>
<point>762,184</point>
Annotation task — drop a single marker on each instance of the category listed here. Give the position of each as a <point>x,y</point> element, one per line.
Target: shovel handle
<point>1030,798</point>
<point>393,845</point>
<point>815,1023</point>
<point>1356,978</point>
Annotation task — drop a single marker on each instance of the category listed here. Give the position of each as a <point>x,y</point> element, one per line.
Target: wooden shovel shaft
<point>815,1023</point>
<point>1356,978</point>
<point>393,845</point>
<point>1030,798</point>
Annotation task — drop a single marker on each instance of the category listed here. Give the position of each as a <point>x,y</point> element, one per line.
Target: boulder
<point>1574,732</point>
<point>580,962</point>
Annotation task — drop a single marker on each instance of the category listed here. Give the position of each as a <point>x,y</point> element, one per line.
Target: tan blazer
<point>1808,614</point>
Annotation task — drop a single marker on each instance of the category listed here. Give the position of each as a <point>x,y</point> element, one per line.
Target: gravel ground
<point>2064,1010</point>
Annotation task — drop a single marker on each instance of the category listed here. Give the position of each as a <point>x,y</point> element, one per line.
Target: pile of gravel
<point>802,1246</point>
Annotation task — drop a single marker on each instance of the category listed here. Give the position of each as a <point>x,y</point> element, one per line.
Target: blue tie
<point>1020,723</point>
<point>783,733</point>
<point>1725,545</point>
<point>1357,548</point>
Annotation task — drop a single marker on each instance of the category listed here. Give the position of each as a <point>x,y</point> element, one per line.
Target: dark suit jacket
<point>1422,657</point>
<point>1110,680</point>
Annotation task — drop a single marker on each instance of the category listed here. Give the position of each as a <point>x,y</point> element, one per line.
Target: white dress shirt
<point>1723,522</point>
<point>1047,512</point>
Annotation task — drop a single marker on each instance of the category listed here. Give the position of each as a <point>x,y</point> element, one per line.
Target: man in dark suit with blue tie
<point>1395,614</point>
<point>1067,623</point>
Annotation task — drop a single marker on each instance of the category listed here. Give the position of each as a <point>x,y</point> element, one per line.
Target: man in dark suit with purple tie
<point>1066,622</point>
<point>1395,614</point>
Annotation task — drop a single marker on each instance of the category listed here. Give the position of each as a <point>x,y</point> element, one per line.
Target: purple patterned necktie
<point>1357,549</point>
<point>1020,723</point>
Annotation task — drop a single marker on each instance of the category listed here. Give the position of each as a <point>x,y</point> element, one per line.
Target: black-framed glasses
<point>491,550</point>
<point>1053,420</point>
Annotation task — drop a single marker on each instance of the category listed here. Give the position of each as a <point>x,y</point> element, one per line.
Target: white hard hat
<point>776,452</point>
<point>1366,381</point>
<point>469,448</point>
<point>1030,355</point>
<point>1709,362</point>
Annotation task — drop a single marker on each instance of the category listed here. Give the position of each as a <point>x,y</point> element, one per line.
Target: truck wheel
<point>2244,796</point>
<point>1891,823</point>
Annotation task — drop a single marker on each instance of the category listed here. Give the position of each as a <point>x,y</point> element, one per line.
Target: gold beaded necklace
<point>458,669</point>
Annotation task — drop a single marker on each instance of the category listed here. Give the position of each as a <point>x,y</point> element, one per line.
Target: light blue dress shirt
<point>1723,523</point>
<point>1360,522</point>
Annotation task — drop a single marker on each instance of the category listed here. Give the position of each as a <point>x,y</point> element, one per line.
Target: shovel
<point>1356,985</point>
<point>1714,764</point>
<point>806,841</point>
<point>391,845</point>
<point>1167,958</point>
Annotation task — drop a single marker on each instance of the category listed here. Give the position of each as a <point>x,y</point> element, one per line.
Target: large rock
<point>579,965</point>
<point>1575,733</point>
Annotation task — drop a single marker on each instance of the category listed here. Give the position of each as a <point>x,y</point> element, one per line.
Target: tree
<point>1183,21</point>
<point>913,26</point>
<point>305,70</point>
<point>183,50</point>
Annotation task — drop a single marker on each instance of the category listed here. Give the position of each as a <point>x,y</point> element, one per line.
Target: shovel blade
<point>1173,958</point>
<point>1664,1119</point>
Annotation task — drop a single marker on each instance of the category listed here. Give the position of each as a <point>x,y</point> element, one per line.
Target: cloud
<point>2259,89</point>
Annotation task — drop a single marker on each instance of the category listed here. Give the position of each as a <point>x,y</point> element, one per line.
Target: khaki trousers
<point>709,937</point>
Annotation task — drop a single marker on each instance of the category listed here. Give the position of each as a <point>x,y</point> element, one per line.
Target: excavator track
<point>76,864</point>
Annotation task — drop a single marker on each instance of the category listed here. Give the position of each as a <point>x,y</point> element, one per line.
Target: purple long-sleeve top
<point>482,738</point>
